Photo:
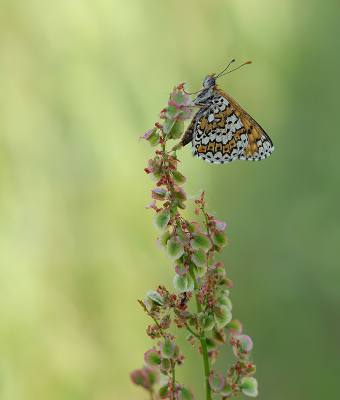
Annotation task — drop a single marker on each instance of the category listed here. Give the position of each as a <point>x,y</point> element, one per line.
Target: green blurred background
<point>80,81</point>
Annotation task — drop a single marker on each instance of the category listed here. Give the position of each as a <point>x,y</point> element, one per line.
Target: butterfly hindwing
<point>219,136</point>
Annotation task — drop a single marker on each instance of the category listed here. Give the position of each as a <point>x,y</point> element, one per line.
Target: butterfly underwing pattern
<point>221,131</point>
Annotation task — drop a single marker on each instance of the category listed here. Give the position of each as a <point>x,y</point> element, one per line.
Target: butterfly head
<point>209,80</point>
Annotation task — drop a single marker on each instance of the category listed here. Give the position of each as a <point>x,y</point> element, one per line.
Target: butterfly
<point>221,131</point>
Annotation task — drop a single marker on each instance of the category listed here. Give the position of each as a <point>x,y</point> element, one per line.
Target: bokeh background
<point>80,81</point>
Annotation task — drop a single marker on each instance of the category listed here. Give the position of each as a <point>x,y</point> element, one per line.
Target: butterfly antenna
<point>225,68</point>
<point>248,62</point>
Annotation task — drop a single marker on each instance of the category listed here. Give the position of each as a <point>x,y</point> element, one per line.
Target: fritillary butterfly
<point>221,131</point>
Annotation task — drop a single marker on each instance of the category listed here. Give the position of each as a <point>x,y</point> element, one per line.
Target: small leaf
<point>194,227</point>
<point>154,139</point>
<point>200,271</point>
<point>185,113</point>
<point>167,348</point>
<point>162,240</point>
<point>226,391</point>
<point>179,97</point>
<point>211,344</point>
<point>152,357</point>
<point>159,194</point>
<point>163,392</point>
<point>180,283</point>
<point>211,262</point>
<point>180,195</point>
<point>178,353</point>
<point>181,269</point>
<point>187,393</point>
<point>246,344</point>
<point>161,219</point>
<point>186,314</point>
<point>199,258</point>
<point>219,336</point>
<point>191,283</point>
<point>152,376</point>
<point>249,386</point>
<point>220,239</point>
<point>168,124</point>
<point>174,249</point>
<point>209,323</point>
<point>154,296</point>
<point>200,319</point>
<point>220,269</point>
<point>182,237</point>
<point>172,110</point>
<point>222,316</point>
<point>138,377</point>
<point>178,177</point>
<point>224,300</point>
<point>227,282</point>
<point>200,241</point>
<point>177,129</point>
<point>217,382</point>
<point>182,206</point>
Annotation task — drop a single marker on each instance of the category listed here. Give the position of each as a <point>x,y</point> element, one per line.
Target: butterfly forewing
<point>222,131</point>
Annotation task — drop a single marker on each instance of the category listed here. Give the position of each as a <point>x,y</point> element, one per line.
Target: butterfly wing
<point>218,134</point>
<point>223,132</point>
<point>259,144</point>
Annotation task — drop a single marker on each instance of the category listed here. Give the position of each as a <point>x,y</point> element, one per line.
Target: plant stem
<point>205,357</point>
<point>191,331</point>
<point>173,376</point>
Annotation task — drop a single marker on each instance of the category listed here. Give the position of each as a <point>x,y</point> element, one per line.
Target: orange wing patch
<point>203,124</point>
<point>218,147</point>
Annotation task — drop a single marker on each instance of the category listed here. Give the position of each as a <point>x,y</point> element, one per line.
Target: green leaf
<point>187,393</point>
<point>161,219</point>
<point>222,316</point>
<point>168,124</point>
<point>209,323</point>
<point>191,283</point>
<point>200,241</point>
<point>249,386</point>
<point>152,358</point>
<point>180,283</point>
<point>152,377</point>
<point>199,258</point>
<point>174,249</point>
<point>163,392</point>
<point>200,319</point>
<point>220,239</point>
<point>162,240</point>
<point>211,344</point>
<point>224,300</point>
<point>177,129</point>
<point>154,296</point>
<point>154,139</point>
<point>177,176</point>
<point>226,391</point>
<point>167,349</point>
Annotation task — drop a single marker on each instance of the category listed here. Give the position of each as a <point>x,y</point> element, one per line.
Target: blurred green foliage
<point>80,81</point>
